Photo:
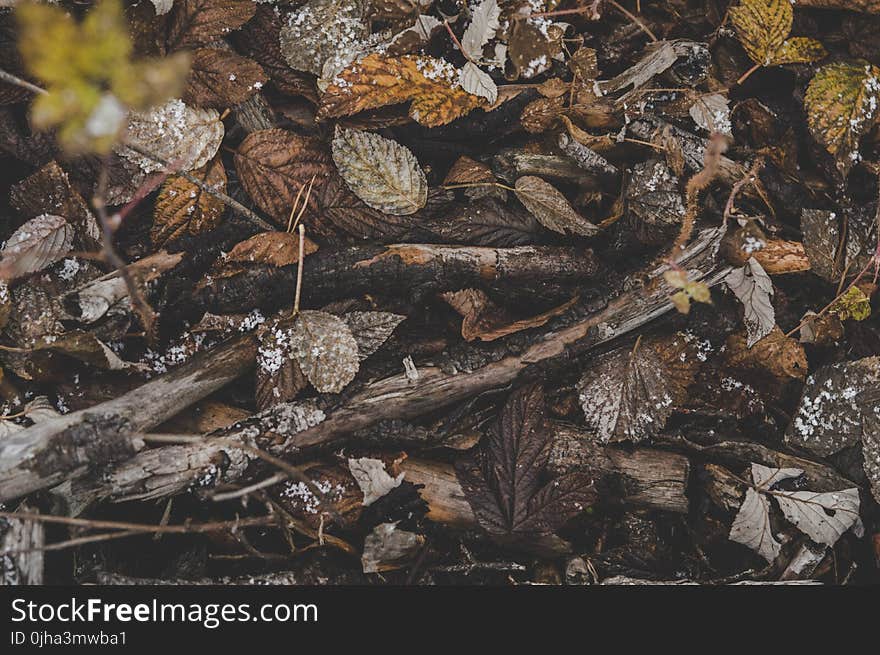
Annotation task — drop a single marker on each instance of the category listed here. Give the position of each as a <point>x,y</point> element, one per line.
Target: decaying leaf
<point>273,248</point>
<point>85,347</point>
<point>654,205</point>
<point>712,113</point>
<point>36,244</point>
<point>325,349</point>
<point>340,209</point>
<point>197,22</point>
<point>371,329</point>
<point>184,137</point>
<point>477,82</point>
<point>372,478</point>
<point>220,78</point>
<point>274,165</point>
<point>782,357</point>
<point>853,304</point>
<point>841,104</point>
<point>753,287</point>
<point>763,27</point>
<point>629,393</point>
<point>507,495</point>
<point>834,244</point>
<point>484,23</point>
<point>184,208</point>
<point>387,548</point>
<point>823,517</point>
<point>279,378</point>
<point>324,33</point>
<point>533,45</point>
<point>383,173</point>
<point>430,84</point>
<point>550,207</point>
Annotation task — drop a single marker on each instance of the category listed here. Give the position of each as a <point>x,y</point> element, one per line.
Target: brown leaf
<point>325,349</point>
<point>541,114</point>
<point>834,243</point>
<point>184,208</point>
<point>654,204</point>
<point>371,329</point>
<point>275,164</point>
<point>36,244</point>
<point>220,78</point>
<point>777,355</point>
<point>273,248</point>
<point>629,393</point>
<point>196,22</point>
<point>430,84</point>
<point>550,207</point>
<point>532,49</point>
<point>468,171</point>
<point>340,209</point>
<point>279,378</point>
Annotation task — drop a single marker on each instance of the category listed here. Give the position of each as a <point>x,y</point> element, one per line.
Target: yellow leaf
<point>763,27</point>
<point>853,304</point>
<point>841,103</point>
<point>184,208</point>
<point>699,291</point>
<point>430,84</point>
<point>681,301</point>
<point>675,278</point>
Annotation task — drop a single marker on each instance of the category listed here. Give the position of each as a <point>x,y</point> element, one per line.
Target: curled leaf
<point>36,244</point>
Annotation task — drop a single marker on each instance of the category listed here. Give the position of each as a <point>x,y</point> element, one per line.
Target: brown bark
<point>24,567</point>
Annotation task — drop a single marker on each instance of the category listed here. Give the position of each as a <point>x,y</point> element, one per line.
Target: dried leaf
<point>751,527</point>
<point>832,248</point>
<point>550,207</point>
<point>776,354</point>
<point>823,517</point>
<point>387,548</point>
<point>196,22</point>
<point>484,23</point>
<point>712,113</point>
<point>834,406</point>
<point>487,222</point>
<point>324,33</point>
<point>764,25</point>
<point>753,287</point>
<point>184,208</point>
<point>468,171</point>
<point>853,304</point>
<point>49,191</point>
<point>85,347</point>
<point>376,81</point>
<point>629,393</point>
<point>279,378</point>
<point>383,173</point>
<point>185,137</point>
<point>372,478</point>
<point>654,206</point>
<point>340,209</point>
<point>275,164</point>
<point>533,46</point>
<point>36,244</point>
<point>371,329</point>
<point>220,78</point>
<point>841,104</point>
<point>477,82</point>
<point>325,349</point>
<point>273,248</point>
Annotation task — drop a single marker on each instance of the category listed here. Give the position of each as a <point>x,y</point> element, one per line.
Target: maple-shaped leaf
<point>325,349</point>
<point>763,27</point>
<point>36,244</point>
<point>550,207</point>
<point>753,287</point>
<point>431,85</point>
<point>841,103</point>
<point>200,22</point>
<point>274,165</point>
<point>184,208</point>
<point>383,173</point>
<point>507,493</point>
<point>183,136</point>
<point>221,78</point>
<point>629,393</point>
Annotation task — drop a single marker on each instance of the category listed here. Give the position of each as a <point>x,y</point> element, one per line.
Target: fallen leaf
<point>763,27</point>
<point>274,165</point>
<point>753,287</point>
<point>853,304</point>
<point>629,393</point>
<point>273,248</point>
<point>712,113</point>
<point>372,478</point>
<point>823,517</point>
<point>340,209</point>
<point>383,173</point>
<point>279,378</point>
<point>477,82</point>
<point>387,548</point>
<point>183,136</point>
<point>220,78</point>
<point>325,349</point>
<point>324,33</point>
<point>484,23</point>
<point>833,246</point>
<point>371,329</point>
<point>196,22</point>
<point>654,205</point>
<point>751,527</point>
<point>550,207</point>
<point>841,104</point>
<point>430,84</point>
<point>35,245</point>
<point>184,208</point>
<point>780,356</point>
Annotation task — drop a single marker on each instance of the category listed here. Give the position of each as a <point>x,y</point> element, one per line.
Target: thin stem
<point>456,41</point>
<point>747,74</point>
<point>24,84</point>
<point>299,268</point>
<point>142,527</point>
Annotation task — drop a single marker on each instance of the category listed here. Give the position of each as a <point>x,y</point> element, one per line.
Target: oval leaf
<point>550,207</point>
